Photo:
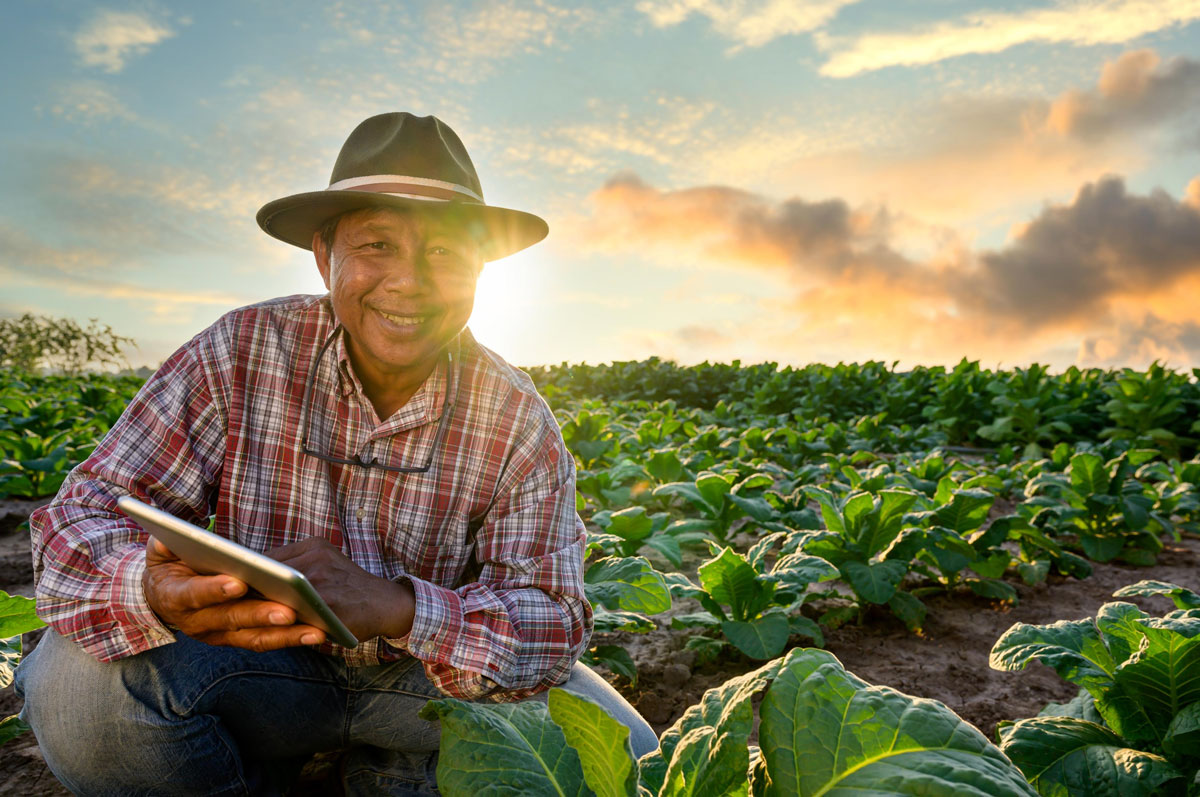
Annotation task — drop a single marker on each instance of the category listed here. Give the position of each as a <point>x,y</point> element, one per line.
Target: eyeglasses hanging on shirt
<point>447,410</point>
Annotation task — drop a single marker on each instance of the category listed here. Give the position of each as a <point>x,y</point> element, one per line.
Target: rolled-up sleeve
<point>520,627</point>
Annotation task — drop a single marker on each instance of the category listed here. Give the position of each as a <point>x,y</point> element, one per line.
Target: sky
<point>763,180</point>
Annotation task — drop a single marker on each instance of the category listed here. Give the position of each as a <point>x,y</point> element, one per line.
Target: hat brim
<point>499,231</point>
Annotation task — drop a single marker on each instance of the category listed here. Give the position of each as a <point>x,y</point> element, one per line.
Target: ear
<point>321,255</point>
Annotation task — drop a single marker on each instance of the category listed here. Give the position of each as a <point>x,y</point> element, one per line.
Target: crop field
<point>943,580</point>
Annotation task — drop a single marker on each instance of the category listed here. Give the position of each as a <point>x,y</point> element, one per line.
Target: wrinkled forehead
<point>440,220</point>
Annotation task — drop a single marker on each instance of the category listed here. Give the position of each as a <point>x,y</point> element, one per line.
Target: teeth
<point>403,320</point>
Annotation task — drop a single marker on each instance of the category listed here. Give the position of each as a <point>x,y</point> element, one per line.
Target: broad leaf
<point>510,748</point>
<point>762,638</point>
<point>874,582</point>
<point>1074,650</point>
<point>1182,597</point>
<point>731,581</point>
<point>11,728</point>
<point>1069,756</point>
<point>825,731</point>
<point>18,615</point>
<point>966,511</point>
<point>725,712</point>
<point>601,742</point>
<point>628,583</point>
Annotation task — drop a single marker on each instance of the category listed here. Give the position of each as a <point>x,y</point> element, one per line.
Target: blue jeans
<point>191,718</point>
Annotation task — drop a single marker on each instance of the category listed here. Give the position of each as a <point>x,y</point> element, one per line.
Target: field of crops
<point>741,518</point>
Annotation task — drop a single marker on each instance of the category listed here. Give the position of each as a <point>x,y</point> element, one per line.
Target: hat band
<point>404,186</point>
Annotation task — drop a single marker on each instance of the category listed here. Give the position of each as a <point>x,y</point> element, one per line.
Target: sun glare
<point>509,295</point>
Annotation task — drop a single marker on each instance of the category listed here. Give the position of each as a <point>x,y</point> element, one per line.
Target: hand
<point>212,609</point>
<point>368,604</point>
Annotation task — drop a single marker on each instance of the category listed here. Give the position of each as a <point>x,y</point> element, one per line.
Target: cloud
<point>1082,271</point>
<point>750,23</point>
<point>1083,22</point>
<point>110,38</point>
<point>88,102</point>
<point>1136,90</point>
<point>1142,340</point>
<point>452,44</point>
<point>973,158</point>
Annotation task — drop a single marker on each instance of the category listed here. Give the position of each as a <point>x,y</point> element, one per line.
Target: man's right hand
<point>211,609</point>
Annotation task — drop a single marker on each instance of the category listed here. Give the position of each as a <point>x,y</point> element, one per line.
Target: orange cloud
<point>1075,280</point>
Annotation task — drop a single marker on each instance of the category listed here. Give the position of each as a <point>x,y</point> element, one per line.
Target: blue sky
<point>787,181</point>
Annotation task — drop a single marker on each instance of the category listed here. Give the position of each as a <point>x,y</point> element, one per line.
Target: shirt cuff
<point>127,600</point>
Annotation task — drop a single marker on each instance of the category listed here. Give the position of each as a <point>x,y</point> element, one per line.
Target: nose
<point>407,272</point>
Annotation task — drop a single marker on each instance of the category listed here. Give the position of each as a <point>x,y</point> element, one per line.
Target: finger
<point>186,592</point>
<point>157,553</point>
<point>242,614</point>
<point>263,639</point>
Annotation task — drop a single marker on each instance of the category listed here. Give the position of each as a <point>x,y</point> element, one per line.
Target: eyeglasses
<point>448,405</point>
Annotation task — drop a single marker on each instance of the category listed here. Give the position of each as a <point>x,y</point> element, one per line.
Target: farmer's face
<point>402,285</point>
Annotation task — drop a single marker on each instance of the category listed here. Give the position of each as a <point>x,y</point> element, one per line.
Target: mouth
<point>404,320</point>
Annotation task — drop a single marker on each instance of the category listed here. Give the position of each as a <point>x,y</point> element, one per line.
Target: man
<point>362,437</point>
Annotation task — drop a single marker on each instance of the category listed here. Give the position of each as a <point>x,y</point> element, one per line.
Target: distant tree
<point>31,343</point>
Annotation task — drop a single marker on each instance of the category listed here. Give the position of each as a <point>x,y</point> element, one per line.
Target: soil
<point>947,661</point>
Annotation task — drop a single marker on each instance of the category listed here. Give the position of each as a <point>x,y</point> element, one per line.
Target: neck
<point>390,390</point>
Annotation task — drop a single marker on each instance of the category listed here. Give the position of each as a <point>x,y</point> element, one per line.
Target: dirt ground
<point>946,662</point>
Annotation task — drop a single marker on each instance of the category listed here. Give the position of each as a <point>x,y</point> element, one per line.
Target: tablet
<point>212,554</point>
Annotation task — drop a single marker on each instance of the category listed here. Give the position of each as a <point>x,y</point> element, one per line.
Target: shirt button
<point>428,647</point>
<point>361,513</point>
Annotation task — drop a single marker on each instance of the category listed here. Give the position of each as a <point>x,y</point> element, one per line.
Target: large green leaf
<point>965,512</point>
<point>716,730</point>
<point>825,731</point>
<point>713,488</point>
<point>1183,734</point>
<point>10,657</point>
<point>762,638</point>
<point>731,581</point>
<point>886,523</point>
<point>875,582</point>
<point>503,749</point>
<point>1073,757</point>
<point>630,524</point>
<point>628,583</point>
<point>1089,476</point>
<point>18,615</point>
<point>11,728</point>
<point>796,571</point>
<point>601,742</point>
<point>1072,649</point>
<point>1182,597</point>
<point>1161,678</point>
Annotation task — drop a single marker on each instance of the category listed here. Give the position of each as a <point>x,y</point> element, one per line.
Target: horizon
<point>772,181</point>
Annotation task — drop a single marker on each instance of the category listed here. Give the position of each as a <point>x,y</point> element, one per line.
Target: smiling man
<point>363,437</point>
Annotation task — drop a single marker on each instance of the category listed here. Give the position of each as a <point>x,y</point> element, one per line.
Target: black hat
<point>404,161</point>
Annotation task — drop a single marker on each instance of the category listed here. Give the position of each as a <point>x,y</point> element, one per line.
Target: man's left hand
<point>369,605</point>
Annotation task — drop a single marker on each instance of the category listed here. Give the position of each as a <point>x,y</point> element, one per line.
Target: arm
<point>89,559</point>
<point>519,629</point>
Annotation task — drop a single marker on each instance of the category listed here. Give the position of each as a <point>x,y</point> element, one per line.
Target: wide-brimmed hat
<point>404,161</point>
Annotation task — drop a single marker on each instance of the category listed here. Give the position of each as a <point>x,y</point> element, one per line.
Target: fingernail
<point>310,639</point>
<point>229,588</point>
<point>279,618</point>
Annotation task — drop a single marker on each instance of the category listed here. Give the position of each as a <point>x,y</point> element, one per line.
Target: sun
<point>510,294</point>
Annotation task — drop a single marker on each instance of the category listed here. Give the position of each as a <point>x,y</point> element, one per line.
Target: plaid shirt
<point>488,537</point>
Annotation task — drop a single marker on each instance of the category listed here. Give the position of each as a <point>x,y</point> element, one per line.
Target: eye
<point>440,251</point>
<point>380,245</point>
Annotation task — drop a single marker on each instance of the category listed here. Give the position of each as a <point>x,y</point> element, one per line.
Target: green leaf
<point>796,571</point>
<point>18,615</point>
<point>601,742</point>
<point>1101,548</point>
<point>506,748</point>
<point>992,588</point>
<point>1162,676</point>
<point>615,658</point>
<point>713,488</point>
<point>1074,650</point>
<point>1069,756</point>
<point>11,728</point>
<point>967,511</point>
<point>762,638</point>
<point>715,730</point>
<point>731,581</point>
<point>874,582</point>
<point>800,625</point>
<point>1183,734</point>
<point>10,657</point>
<point>1082,706</point>
<point>1182,597</point>
<point>825,731</point>
<point>628,583</point>
<point>909,609</point>
<point>630,524</point>
<point>1088,474</point>
<point>608,621</point>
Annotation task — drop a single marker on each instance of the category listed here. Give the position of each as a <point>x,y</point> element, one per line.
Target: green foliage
<point>18,615</point>
<point>29,343</point>
<point>1136,725</point>
<point>823,731</point>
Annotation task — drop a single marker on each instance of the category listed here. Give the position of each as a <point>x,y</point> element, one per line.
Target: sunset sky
<point>827,180</point>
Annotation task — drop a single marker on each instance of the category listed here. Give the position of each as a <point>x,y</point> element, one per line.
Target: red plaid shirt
<point>489,537</point>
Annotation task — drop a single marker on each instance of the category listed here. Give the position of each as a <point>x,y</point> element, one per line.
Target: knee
<point>586,683</point>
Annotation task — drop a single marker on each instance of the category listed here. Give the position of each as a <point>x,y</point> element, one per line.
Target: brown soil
<point>946,662</point>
